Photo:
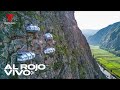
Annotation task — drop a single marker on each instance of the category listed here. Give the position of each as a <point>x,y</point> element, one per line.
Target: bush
<point>57,65</point>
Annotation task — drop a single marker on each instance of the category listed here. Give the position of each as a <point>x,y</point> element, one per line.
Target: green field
<point>108,60</point>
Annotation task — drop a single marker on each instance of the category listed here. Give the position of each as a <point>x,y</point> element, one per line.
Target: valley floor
<point>107,60</point>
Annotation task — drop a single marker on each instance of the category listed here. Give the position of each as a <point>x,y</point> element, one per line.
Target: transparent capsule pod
<point>32,28</point>
<point>49,50</point>
<point>24,56</point>
<point>48,36</point>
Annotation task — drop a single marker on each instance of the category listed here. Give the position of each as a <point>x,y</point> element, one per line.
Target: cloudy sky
<point>96,19</point>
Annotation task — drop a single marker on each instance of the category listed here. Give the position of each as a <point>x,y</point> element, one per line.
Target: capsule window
<point>24,56</point>
<point>49,50</point>
<point>48,36</point>
<point>32,28</point>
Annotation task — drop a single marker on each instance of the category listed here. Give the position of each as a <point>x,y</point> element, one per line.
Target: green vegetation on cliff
<point>72,58</point>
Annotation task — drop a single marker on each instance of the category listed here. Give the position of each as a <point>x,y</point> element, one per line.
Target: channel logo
<point>24,69</point>
<point>9,19</point>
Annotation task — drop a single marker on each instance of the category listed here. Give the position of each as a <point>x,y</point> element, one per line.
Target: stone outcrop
<point>72,58</point>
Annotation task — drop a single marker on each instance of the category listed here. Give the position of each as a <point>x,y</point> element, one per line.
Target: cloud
<point>96,19</point>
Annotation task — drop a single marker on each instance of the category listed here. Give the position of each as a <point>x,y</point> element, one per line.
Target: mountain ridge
<point>108,38</point>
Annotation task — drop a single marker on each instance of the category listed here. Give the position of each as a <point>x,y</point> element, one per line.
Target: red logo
<point>9,17</point>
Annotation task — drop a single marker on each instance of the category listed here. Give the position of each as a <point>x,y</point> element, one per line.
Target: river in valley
<point>107,74</point>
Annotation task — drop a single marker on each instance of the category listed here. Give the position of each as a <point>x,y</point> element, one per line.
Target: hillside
<point>89,32</point>
<point>108,38</point>
<point>72,58</point>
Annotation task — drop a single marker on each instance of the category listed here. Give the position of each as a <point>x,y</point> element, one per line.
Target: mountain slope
<point>108,38</point>
<point>72,59</point>
<point>89,32</point>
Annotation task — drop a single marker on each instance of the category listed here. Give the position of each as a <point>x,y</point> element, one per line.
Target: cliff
<point>72,58</point>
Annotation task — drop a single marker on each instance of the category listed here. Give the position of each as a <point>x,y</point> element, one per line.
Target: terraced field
<point>106,59</point>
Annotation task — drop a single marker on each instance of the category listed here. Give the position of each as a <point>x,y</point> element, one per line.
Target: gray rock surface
<point>72,58</point>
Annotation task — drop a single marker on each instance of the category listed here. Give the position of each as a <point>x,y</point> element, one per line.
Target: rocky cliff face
<point>72,59</point>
